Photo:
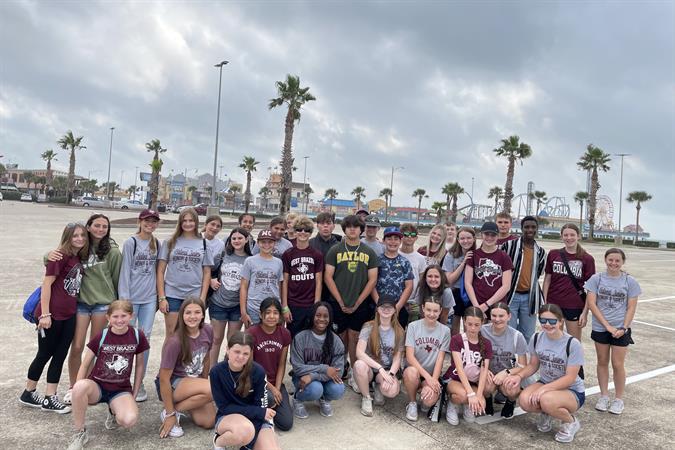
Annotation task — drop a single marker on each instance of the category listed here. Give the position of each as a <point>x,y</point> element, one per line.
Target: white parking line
<point>655,260</point>
<point>656,299</point>
<point>653,325</point>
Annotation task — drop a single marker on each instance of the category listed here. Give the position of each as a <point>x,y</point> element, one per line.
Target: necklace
<point>234,382</point>
<point>356,250</point>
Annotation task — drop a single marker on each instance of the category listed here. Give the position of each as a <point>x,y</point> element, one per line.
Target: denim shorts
<point>232,314</point>
<point>581,397</point>
<point>175,381</point>
<point>89,310</point>
<point>108,396</point>
<point>174,303</point>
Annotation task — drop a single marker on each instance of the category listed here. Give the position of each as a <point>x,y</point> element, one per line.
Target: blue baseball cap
<point>392,231</point>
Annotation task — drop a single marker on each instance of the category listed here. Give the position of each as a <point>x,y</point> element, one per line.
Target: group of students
<point>350,308</point>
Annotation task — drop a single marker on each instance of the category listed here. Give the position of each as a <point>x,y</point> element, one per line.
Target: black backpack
<point>567,350</point>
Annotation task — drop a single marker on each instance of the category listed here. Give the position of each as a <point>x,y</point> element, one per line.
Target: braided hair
<point>473,311</point>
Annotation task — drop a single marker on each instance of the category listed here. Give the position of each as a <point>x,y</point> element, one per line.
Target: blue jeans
<point>315,390</point>
<point>144,318</point>
<point>521,319</point>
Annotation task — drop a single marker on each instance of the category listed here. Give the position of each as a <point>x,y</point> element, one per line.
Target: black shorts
<point>572,314</point>
<point>301,319</point>
<point>459,303</point>
<point>403,316</point>
<point>605,337</point>
<point>354,321</point>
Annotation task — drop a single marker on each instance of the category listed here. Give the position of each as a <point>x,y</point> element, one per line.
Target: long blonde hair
<point>441,247</point>
<point>178,232</point>
<point>374,338</point>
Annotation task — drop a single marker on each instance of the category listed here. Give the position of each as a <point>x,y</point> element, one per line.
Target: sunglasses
<point>410,233</point>
<point>544,321</point>
<point>306,230</point>
<point>75,224</point>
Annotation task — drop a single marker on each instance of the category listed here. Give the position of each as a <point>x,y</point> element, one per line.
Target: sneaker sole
<point>32,405</point>
<point>326,415</point>
<point>544,430</point>
<point>454,424</point>
<point>57,411</point>
<point>601,410</point>
<point>616,413</point>
<point>366,413</point>
<point>411,419</point>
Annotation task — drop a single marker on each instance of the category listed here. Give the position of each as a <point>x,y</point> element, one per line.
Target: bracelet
<point>380,368</point>
<point>473,394</point>
<point>169,414</point>
<point>285,310</point>
<point>45,315</point>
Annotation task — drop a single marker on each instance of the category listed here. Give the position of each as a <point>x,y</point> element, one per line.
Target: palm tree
<point>86,186</point>
<point>308,191</point>
<point>60,185</point>
<point>234,189</point>
<point>154,146</point>
<point>437,207</point>
<point>513,150</point>
<point>49,156</point>
<point>592,160</point>
<point>386,193</point>
<point>69,142</point>
<point>497,193</point>
<point>131,190</point>
<point>420,194</point>
<point>331,193</point>
<point>359,192</point>
<point>191,190</point>
<point>580,197</point>
<point>289,92</point>
<point>264,192</point>
<point>638,197</point>
<point>452,191</point>
<point>28,178</point>
<point>248,164</point>
<point>539,197</point>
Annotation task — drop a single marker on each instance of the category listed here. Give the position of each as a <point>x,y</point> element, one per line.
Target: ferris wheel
<point>604,213</point>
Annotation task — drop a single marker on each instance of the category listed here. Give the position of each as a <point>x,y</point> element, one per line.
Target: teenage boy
<point>504,223</point>
<point>525,294</point>
<point>370,239</point>
<point>350,275</point>
<point>450,234</point>
<point>325,238</point>
<point>278,227</point>
<point>417,262</point>
<point>395,275</point>
<point>261,277</point>
<point>303,277</point>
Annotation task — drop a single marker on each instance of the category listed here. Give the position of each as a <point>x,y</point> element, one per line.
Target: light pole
<point>121,178</point>
<point>391,191</point>
<point>107,186</point>
<point>619,239</point>
<point>135,182</point>
<point>304,185</point>
<point>215,156</point>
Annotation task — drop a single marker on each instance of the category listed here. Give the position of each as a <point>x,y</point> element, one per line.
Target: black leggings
<point>53,346</point>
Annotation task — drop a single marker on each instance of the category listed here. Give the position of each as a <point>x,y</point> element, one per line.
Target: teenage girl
<point>453,265</point>
<point>469,383</point>
<point>433,283</point>
<point>98,290</point>
<point>182,383</point>
<point>224,308</point>
<point>426,342</point>
<point>612,298</point>
<point>105,373</point>
<point>138,279</point>
<point>435,251</point>
<point>559,393</point>
<point>509,355</point>
<point>271,349</point>
<point>558,286</point>
<point>238,385</point>
<point>212,227</point>
<point>183,269</point>
<point>56,314</point>
<point>379,353</point>
<point>317,357</point>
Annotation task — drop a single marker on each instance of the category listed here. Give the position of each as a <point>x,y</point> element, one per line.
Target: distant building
<point>16,176</point>
<point>409,214</point>
<point>377,205</point>
<point>340,207</point>
<point>273,183</point>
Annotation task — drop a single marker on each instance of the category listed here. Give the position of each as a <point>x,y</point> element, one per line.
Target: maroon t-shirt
<point>510,237</point>
<point>200,347</point>
<point>268,347</point>
<point>457,345</point>
<point>561,291</point>
<point>302,267</point>
<point>488,269</point>
<point>112,370</point>
<point>66,286</point>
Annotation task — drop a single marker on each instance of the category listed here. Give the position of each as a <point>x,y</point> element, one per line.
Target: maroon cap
<point>266,234</point>
<point>148,213</point>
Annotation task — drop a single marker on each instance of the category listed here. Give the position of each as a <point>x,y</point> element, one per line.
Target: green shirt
<point>351,269</point>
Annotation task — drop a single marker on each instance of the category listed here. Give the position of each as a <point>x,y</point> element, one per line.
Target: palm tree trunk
<point>447,208</point>
<point>287,165</point>
<point>454,208</point>
<point>637,223</point>
<point>496,206</point>
<point>248,190</point>
<point>592,204</point>
<point>419,207</point>
<point>71,177</point>
<point>508,187</point>
<point>581,220</point>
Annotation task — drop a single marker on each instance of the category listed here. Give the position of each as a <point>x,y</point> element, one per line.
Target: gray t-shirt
<point>448,300</point>
<point>427,342</point>
<point>184,268</point>
<point>377,246</point>
<point>216,246</point>
<point>387,344</point>
<point>612,294</point>
<point>450,264</point>
<point>227,296</point>
<point>505,347</point>
<point>138,274</point>
<point>553,360</point>
<point>418,264</point>
<point>280,247</point>
<point>264,276</point>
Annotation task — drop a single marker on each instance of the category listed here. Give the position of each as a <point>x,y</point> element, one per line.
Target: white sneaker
<point>299,410</point>
<point>110,420</point>
<point>616,407</point>
<point>325,408</point>
<point>567,431</point>
<point>451,414</point>
<point>411,411</point>
<point>378,396</point>
<point>80,439</point>
<point>353,385</point>
<point>544,423</point>
<point>142,394</point>
<point>367,406</point>
<point>602,404</point>
<point>468,414</point>
<point>68,398</point>
<point>176,430</point>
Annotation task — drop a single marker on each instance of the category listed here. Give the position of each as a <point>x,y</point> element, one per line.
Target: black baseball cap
<point>386,299</point>
<point>489,227</point>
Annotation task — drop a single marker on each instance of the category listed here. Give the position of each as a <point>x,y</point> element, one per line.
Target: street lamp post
<point>107,186</point>
<point>215,156</point>
<point>304,186</point>
<point>391,191</point>
<point>619,238</point>
<point>135,182</point>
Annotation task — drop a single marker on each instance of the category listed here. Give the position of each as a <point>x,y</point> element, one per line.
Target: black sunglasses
<point>306,230</point>
<point>409,233</point>
<point>74,224</point>
<point>544,321</point>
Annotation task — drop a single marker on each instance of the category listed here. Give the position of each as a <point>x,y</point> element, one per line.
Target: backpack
<point>462,291</point>
<point>567,350</point>
<point>31,304</point>
<point>156,246</point>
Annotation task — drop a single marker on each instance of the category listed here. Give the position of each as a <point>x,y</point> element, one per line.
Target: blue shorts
<point>90,310</point>
<point>174,385</point>
<point>265,425</point>
<point>581,398</point>
<point>108,396</point>
<point>232,314</point>
<point>174,303</point>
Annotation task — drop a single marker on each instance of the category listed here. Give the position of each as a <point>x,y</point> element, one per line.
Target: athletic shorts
<point>108,396</point>
<point>605,337</point>
<point>572,314</point>
<point>354,321</point>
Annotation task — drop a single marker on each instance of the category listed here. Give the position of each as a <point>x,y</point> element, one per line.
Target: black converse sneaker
<point>52,403</point>
<point>31,398</point>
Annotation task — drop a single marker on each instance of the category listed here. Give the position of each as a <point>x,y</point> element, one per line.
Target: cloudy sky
<point>430,86</point>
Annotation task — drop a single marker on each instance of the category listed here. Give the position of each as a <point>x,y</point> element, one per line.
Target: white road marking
<point>656,299</point>
<point>655,260</point>
<point>653,325</point>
